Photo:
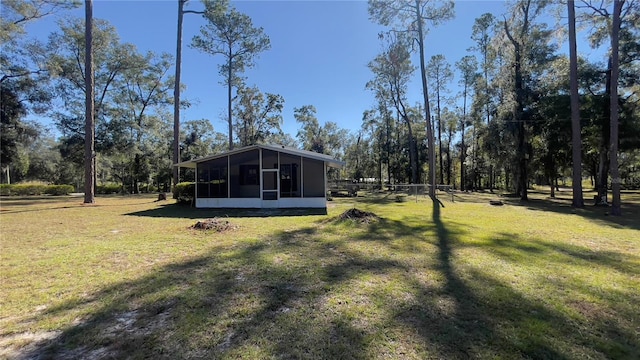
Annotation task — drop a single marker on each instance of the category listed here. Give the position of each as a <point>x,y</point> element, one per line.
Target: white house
<point>262,176</point>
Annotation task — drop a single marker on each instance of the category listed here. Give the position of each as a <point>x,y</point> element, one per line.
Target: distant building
<point>262,176</point>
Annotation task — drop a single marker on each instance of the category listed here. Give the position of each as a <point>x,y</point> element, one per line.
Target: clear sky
<point>319,52</point>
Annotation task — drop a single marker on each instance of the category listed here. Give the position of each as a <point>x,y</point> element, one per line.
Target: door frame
<point>270,203</point>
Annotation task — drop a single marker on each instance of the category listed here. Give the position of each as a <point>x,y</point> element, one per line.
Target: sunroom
<point>262,176</point>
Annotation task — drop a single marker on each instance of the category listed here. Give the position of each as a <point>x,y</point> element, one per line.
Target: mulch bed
<point>358,215</point>
<point>215,224</point>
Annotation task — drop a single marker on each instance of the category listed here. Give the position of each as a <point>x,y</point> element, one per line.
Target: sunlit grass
<point>128,277</point>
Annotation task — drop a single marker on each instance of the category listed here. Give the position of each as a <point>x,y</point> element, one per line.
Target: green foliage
<point>184,192</point>
<point>59,189</point>
<point>28,189</point>
<point>34,188</point>
<point>231,34</point>
<point>327,139</point>
<point>5,189</point>
<point>258,116</point>
<point>13,130</point>
<point>109,189</point>
<point>199,138</point>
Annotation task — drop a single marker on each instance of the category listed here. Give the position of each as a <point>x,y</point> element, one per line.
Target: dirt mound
<point>358,215</point>
<point>216,224</point>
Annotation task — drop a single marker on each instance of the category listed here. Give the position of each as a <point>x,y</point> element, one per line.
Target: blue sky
<point>319,52</point>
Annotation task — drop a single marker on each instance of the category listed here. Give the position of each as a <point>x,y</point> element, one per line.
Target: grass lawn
<point>128,278</point>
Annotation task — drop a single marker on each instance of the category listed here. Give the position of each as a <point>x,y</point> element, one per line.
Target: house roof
<point>280,148</point>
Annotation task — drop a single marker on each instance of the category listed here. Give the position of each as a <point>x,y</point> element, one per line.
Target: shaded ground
<point>173,210</point>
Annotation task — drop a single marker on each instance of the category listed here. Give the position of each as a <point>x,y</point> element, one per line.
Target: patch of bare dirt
<point>13,346</point>
<point>133,323</point>
<point>590,310</point>
<point>215,224</point>
<point>359,216</point>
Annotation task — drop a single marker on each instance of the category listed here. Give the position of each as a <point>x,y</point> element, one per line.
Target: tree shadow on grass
<point>257,300</point>
<point>187,212</point>
<point>579,309</point>
<point>562,205</point>
<point>517,249</point>
<point>463,324</point>
<point>469,313</point>
<point>297,294</point>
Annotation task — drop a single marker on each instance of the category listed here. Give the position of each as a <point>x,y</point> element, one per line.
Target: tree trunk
<point>449,159</point>
<point>358,157</point>
<point>440,135</point>
<point>518,115</point>
<point>380,163</point>
<point>413,156</point>
<point>388,145</point>
<point>603,158</point>
<point>576,139</point>
<point>136,174</point>
<point>229,75</point>
<point>425,94</point>
<point>176,95</point>
<point>89,129</point>
<point>603,174</point>
<point>552,176</point>
<point>507,182</point>
<point>463,152</point>
<point>523,179</point>
<point>613,152</point>
<point>462,149</point>
<point>474,159</point>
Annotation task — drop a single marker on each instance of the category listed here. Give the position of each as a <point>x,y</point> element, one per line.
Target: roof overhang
<point>331,162</point>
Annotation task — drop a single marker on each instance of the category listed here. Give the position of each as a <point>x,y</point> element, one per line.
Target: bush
<point>59,189</point>
<point>108,189</point>
<point>184,192</point>
<point>5,189</point>
<point>28,189</point>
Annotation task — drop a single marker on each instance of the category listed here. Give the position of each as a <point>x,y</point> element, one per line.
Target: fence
<point>349,188</point>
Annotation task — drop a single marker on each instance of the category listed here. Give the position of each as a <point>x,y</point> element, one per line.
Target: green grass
<point>129,278</point>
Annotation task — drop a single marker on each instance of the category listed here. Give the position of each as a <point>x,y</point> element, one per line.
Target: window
<point>219,186</point>
<point>244,175</point>
<point>269,159</point>
<point>203,181</point>
<point>213,179</point>
<point>313,178</point>
<point>290,176</point>
<point>249,175</point>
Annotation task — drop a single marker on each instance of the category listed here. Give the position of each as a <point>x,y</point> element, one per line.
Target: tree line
<point>509,126</point>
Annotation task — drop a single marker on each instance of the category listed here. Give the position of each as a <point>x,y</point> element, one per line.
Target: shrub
<point>28,189</point>
<point>5,189</point>
<point>184,192</point>
<point>59,189</point>
<point>109,189</point>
